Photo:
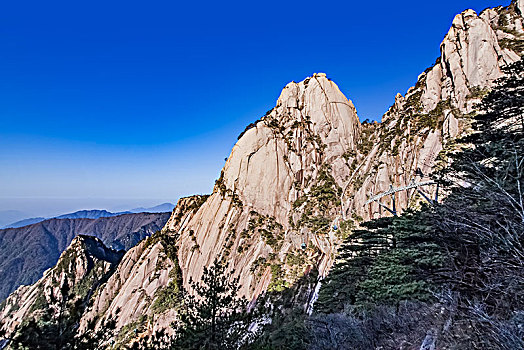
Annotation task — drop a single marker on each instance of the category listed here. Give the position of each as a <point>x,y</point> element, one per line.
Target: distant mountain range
<point>88,214</point>
<point>161,208</point>
<point>7,216</point>
<point>26,252</point>
<point>24,222</point>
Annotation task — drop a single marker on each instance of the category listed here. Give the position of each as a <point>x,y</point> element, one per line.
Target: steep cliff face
<point>143,290</point>
<point>251,219</point>
<point>80,269</point>
<point>298,179</point>
<point>436,110</point>
<point>312,124</point>
<point>309,166</point>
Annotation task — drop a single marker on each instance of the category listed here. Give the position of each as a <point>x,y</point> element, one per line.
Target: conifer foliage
<point>481,223</point>
<point>214,317</point>
<point>386,261</point>
<point>463,256</point>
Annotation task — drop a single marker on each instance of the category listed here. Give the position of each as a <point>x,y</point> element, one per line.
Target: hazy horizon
<point>50,207</point>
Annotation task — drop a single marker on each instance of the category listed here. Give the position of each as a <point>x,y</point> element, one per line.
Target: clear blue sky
<point>128,101</point>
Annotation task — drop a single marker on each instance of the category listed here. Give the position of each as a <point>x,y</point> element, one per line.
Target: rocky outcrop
<point>436,110</point>
<point>309,165</point>
<point>143,289</point>
<point>26,252</point>
<point>299,178</point>
<point>253,220</point>
<point>80,269</point>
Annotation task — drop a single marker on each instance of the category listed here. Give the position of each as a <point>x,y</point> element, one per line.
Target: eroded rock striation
<point>437,109</point>
<point>145,285</point>
<point>308,166</point>
<point>299,178</point>
<point>81,268</point>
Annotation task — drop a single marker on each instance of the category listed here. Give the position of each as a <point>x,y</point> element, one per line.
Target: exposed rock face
<point>299,178</point>
<point>247,217</point>
<point>313,133</point>
<point>421,123</point>
<point>147,274</point>
<point>141,274</point>
<point>26,252</point>
<point>312,124</point>
<point>309,164</point>
<point>81,267</point>
<point>274,163</point>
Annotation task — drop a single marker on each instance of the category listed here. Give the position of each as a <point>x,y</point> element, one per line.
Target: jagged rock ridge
<point>292,168</point>
<point>438,108</point>
<point>26,252</point>
<point>309,165</point>
<point>148,278</point>
<point>82,267</point>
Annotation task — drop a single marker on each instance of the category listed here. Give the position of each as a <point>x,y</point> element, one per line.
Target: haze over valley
<point>321,222</point>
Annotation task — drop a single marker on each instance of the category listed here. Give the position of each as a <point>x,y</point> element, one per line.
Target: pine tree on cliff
<point>386,261</point>
<point>55,327</point>
<point>215,317</point>
<point>482,220</point>
<point>469,249</point>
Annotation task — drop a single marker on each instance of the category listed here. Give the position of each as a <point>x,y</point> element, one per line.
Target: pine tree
<point>481,223</point>
<point>356,255</point>
<point>386,261</point>
<point>214,317</point>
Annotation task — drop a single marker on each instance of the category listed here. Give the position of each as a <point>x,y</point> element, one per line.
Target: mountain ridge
<point>92,262</point>
<point>93,214</point>
<point>27,251</point>
<point>258,216</point>
<point>298,180</point>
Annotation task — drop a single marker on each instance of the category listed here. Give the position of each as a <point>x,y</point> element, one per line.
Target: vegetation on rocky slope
<point>26,252</point>
<point>51,319</point>
<point>449,275</point>
<point>445,275</point>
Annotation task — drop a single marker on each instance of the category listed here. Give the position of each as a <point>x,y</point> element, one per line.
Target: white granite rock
<point>313,129</point>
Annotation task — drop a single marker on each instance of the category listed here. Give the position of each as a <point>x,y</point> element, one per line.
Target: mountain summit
<point>299,179</point>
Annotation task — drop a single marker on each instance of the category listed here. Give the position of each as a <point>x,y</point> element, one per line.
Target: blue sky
<point>126,102</point>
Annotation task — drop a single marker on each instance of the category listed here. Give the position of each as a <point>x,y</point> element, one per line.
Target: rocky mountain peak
<point>309,162</point>
<point>418,126</point>
<point>299,178</point>
<point>313,123</point>
<point>92,246</point>
<point>26,252</point>
<point>320,99</point>
<point>79,270</point>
